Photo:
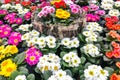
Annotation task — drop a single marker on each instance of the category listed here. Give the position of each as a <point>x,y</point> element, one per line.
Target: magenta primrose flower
<point>27,16</point>
<point>3,12</point>
<point>32,56</point>
<point>100,12</point>
<point>1,22</point>
<point>18,20</point>
<point>75,8</point>
<point>93,18</point>
<point>14,38</point>
<point>5,31</point>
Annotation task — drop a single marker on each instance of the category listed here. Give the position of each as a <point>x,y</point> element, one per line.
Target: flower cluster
<point>49,62</point>
<point>115,52</point>
<point>7,67</point>
<point>114,12</point>
<point>94,13</point>
<point>114,35</point>
<point>62,10</point>
<point>3,12</point>
<point>32,56</point>
<point>91,31</point>
<point>12,19</point>
<point>111,23</point>
<point>7,51</point>
<point>91,49</point>
<point>46,11</point>
<point>74,43</point>
<point>60,75</point>
<point>94,72</point>
<point>17,7</point>
<point>21,77</point>
<point>72,59</point>
<point>14,38</point>
<point>107,4</point>
<point>24,27</point>
<point>75,8</point>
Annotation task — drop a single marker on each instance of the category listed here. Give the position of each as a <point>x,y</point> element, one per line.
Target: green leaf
<point>69,72</point>
<point>37,70</point>
<point>62,54</point>
<point>110,70</point>
<point>13,75</point>
<point>19,58</point>
<point>47,74</point>
<point>23,70</point>
<point>81,37</point>
<point>31,77</point>
<point>2,78</point>
<point>87,64</point>
<point>65,64</point>
<point>83,59</point>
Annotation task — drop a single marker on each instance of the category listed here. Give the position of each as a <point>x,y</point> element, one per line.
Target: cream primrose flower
<point>6,6</point>
<point>107,4</point>
<point>53,77</point>
<point>91,39</point>
<point>65,41</point>
<point>95,72</point>
<point>72,59</point>
<point>60,74</point>
<point>21,77</point>
<point>49,62</point>
<point>86,33</point>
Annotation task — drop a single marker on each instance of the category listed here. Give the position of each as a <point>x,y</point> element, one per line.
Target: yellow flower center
<point>91,73</point>
<point>16,41</point>
<point>5,32</point>
<point>46,68</point>
<point>32,58</point>
<point>9,69</point>
<point>56,68</point>
<point>102,72</point>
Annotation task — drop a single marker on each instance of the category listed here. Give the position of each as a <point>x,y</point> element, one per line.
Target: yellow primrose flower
<point>2,47</point>
<point>7,67</point>
<point>11,49</point>
<point>62,14</point>
<point>53,1</point>
<point>5,63</point>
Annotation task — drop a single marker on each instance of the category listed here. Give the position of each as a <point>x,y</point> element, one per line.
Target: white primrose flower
<point>18,7</point>
<point>41,40</point>
<point>25,36</point>
<point>76,61</point>
<point>35,33</point>
<point>53,77</point>
<point>51,45</point>
<point>24,27</point>
<point>117,4</point>
<point>114,12</point>
<point>50,39</point>
<point>21,77</point>
<point>75,43</point>
<point>91,39</point>
<point>95,72</point>
<point>66,58</point>
<point>65,41</point>
<point>6,6</point>
<point>72,59</point>
<point>86,33</point>
<point>60,75</point>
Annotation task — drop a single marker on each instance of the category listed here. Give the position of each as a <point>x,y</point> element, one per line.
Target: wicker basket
<point>59,30</point>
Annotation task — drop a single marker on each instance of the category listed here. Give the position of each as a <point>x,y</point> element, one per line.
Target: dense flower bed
<point>26,54</point>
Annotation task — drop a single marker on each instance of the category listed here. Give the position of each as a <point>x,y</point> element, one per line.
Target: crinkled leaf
<point>110,70</point>
<point>68,72</point>
<point>23,70</point>
<point>47,74</point>
<point>83,59</point>
<point>13,75</point>
<point>31,77</point>
<point>19,58</point>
